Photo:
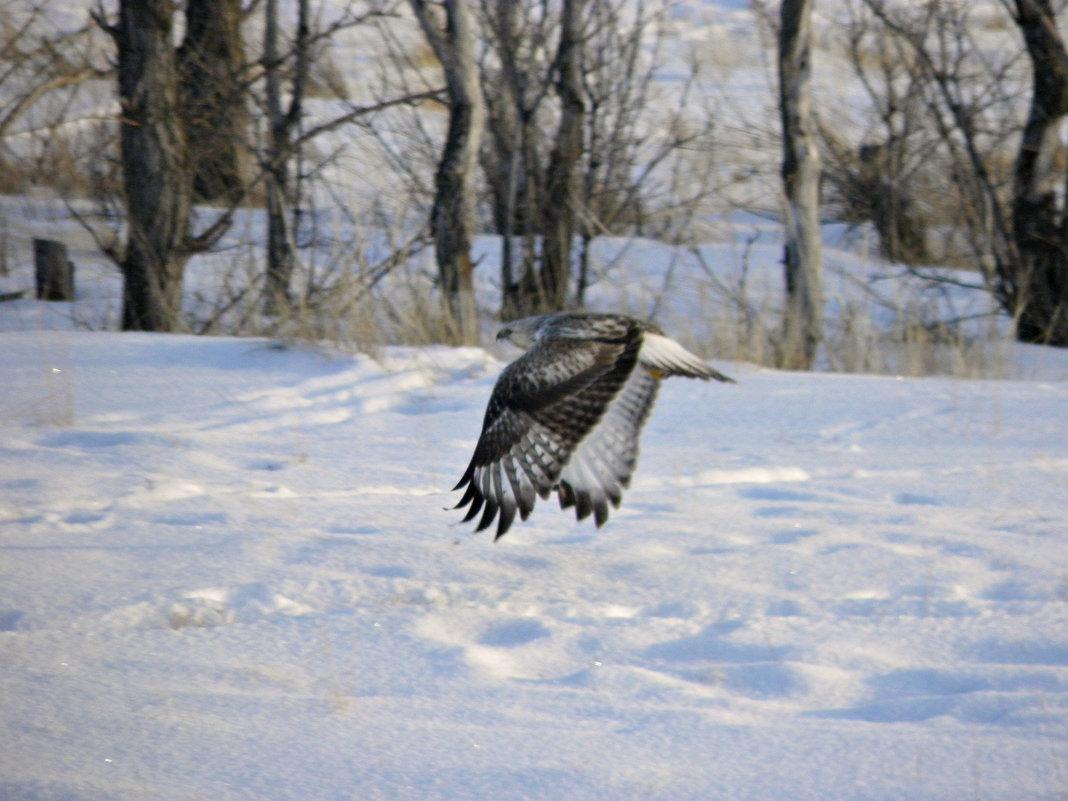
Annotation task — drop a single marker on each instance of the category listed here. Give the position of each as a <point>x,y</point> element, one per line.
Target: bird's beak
<point>504,333</point>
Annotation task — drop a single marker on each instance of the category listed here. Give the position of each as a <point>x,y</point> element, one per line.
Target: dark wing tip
<point>600,512</point>
<point>716,374</point>
<point>704,372</point>
<point>476,505</point>
<point>565,494</point>
<point>469,474</point>
<point>471,494</point>
<point>505,521</point>
<point>489,514</point>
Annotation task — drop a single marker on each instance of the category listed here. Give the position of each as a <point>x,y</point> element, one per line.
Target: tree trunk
<point>547,290</point>
<point>209,64</point>
<point>508,149</point>
<point>155,169</point>
<point>281,252</point>
<point>1037,287</point>
<point>803,324</point>
<point>452,218</point>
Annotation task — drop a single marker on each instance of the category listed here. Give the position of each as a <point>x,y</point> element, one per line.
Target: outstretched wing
<point>543,405</point>
<point>601,467</point>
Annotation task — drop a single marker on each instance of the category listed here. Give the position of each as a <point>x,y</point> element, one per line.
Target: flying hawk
<point>566,415</point>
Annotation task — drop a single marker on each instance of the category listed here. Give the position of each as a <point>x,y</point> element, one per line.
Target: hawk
<point>567,414</point>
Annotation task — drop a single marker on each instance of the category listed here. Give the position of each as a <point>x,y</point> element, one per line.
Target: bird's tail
<point>665,357</point>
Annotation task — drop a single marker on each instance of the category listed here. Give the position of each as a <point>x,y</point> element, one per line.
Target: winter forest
<point>336,162</point>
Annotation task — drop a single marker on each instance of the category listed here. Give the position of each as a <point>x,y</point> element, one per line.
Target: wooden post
<point>3,247</point>
<point>55,274</point>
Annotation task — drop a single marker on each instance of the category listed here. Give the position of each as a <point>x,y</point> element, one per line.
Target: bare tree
<point>158,167</point>
<point>155,171</point>
<point>1037,286</point>
<point>514,90</point>
<point>281,126</point>
<point>803,326</point>
<point>43,65</point>
<point>287,62</point>
<point>452,218</point>
<point>642,133</point>
<point>892,176</point>
<point>1017,223</point>
<point>579,142</point>
<point>211,59</point>
<point>546,289</point>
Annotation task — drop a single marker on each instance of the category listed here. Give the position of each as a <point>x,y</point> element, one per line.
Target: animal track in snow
<point>208,607</point>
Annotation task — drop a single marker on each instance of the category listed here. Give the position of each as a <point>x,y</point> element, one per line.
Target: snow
<point>227,571</point>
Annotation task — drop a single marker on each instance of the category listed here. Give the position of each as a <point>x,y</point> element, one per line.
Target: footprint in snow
<point>513,633</point>
<point>970,695</point>
<point>715,656</point>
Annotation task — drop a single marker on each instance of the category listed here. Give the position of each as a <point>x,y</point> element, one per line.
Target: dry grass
<point>857,343</point>
<point>345,309</point>
<point>913,348</point>
<point>905,336</point>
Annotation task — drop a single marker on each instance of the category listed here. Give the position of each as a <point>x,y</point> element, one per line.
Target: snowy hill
<point>226,572</point>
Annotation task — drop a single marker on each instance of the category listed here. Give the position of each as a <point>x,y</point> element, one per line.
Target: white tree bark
<point>452,219</point>
<point>803,257</point>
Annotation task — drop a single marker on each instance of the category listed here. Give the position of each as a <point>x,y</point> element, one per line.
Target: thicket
<point>307,145</point>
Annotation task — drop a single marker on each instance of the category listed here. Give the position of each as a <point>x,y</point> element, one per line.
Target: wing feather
<point>604,461</point>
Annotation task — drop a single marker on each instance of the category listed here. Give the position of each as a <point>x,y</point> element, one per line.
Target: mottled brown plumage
<point>566,415</point>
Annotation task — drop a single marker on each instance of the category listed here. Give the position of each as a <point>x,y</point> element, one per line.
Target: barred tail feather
<point>666,357</point>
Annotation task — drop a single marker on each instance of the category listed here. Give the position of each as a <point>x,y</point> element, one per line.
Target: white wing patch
<point>600,468</point>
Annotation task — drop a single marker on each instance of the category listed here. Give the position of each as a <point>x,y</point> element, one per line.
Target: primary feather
<point>567,415</point>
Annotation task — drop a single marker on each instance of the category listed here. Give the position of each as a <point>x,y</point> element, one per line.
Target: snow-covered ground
<point>227,572</point>
<point>228,569</point>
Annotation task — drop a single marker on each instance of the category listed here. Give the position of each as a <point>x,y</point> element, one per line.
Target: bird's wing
<point>601,467</point>
<point>543,404</point>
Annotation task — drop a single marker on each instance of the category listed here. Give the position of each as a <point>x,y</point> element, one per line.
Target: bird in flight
<point>567,414</point>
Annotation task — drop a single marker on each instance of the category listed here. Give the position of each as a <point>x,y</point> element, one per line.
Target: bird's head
<point>521,333</point>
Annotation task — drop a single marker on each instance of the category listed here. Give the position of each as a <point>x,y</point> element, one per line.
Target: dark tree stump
<point>55,273</point>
